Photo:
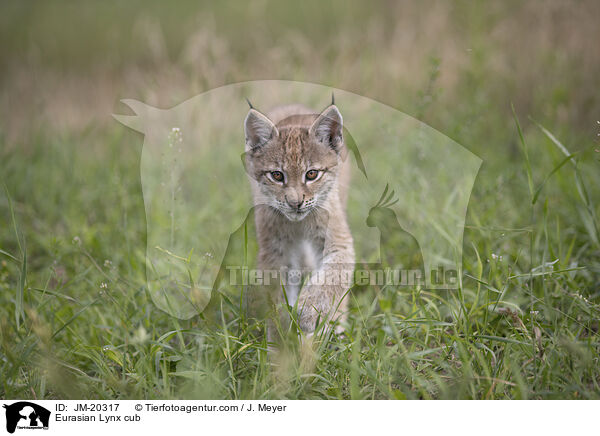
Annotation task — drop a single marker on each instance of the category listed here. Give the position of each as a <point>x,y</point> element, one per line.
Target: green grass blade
<point>19,297</point>
<point>553,138</point>
<point>19,301</point>
<point>73,318</point>
<point>10,256</point>
<point>558,167</point>
<point>524,150</point>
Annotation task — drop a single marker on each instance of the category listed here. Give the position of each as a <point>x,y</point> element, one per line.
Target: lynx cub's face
<point>295,162</point>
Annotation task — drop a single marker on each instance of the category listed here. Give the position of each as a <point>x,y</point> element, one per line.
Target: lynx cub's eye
<point>277,176</point>
<point>311,174</point>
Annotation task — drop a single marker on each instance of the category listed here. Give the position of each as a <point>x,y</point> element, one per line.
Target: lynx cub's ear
<point>327,128</point>
<point>259,129</point>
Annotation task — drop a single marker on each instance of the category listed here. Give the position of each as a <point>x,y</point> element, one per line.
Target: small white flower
<point>77,240</point>
<point>103,285</point>
<point>107,263</point>
<point>175,136</point>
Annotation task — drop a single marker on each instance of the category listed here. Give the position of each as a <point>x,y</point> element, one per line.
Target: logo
<point>410,186</point>
<point>26,415</point>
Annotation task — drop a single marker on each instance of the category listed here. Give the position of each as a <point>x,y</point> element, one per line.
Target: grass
<point>524,325</point>
<point>76,320</point>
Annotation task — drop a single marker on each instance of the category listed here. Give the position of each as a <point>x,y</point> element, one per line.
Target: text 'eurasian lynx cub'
<point>297,164</point>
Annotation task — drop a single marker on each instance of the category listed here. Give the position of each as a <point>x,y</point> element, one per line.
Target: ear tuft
<point>328,127</point>
<point>259,129</point>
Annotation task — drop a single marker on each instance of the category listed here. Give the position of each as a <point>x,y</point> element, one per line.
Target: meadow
<point>515,83</point>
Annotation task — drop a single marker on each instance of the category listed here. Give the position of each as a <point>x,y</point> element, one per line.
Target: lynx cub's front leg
<point>324,297</point>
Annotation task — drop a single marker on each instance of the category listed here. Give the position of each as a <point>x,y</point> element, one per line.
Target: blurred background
<point>456,65</point>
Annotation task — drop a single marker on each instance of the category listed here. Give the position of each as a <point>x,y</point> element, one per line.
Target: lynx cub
<point>297,166</point>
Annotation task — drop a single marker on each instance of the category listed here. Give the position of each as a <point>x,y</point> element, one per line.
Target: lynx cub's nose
<point>295,202</point>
